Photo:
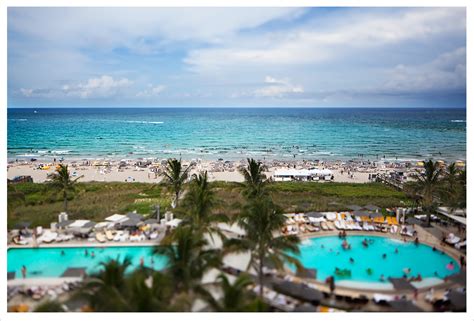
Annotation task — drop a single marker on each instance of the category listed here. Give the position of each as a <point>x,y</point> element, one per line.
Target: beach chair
<point>100,237</point>
<point>109,235</point>
<point>452,239</point>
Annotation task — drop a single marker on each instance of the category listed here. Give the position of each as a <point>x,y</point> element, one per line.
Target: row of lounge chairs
<point>123,236</point>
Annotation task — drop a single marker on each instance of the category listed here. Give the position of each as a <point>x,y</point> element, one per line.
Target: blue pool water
<point>48,262</point>
<point>237,133</point>
<point>420,259</point>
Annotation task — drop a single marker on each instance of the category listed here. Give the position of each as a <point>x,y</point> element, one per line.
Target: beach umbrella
<point>354,207</point>
<point>457,300</point>
<point>404,306</point>
<point>151,221</point>
<point>371,207</point>
<point>413,220</point>
<point>299,291</point>
<point>130,223</point>
<point>305,308</point>
<point>315,214</point>
<point>361,213</point>
<point>135,216</point>
<point>22,225</point>
<point>306,273</point>
<point>373,215</point>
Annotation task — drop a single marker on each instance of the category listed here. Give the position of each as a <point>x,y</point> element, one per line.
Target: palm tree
<point>199,202</point>
<point>427,184</point>
<point>106,290</point>
<point>235,296</point>
<point>175,176</point>
<point>61,180</point>
<point>453,190</point>
<point>254,178</point>
<point>112,290</point>
<point>188,258</point>
<point>262,221</point>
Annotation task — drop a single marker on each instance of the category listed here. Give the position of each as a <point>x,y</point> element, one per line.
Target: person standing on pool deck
<point>23,271</point>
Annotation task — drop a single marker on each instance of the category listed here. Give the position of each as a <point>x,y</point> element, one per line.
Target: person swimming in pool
<point>384,256</point>
<point>92,254</point>
<point>23,271</point>
<point>62,253</point>
<point>382,278</point>
<point>450,266</point>
<point>396,250</point>
<point>351,260</point>
<point>86,253</point>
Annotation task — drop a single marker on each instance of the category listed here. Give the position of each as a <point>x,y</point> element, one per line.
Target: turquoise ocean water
<point>236,133</point>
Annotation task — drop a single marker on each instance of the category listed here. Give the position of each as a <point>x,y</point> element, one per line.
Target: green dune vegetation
<point>41,203</point>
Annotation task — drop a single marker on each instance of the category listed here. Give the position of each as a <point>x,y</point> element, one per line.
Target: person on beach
<point>23,271</point>
<point>462,261</point>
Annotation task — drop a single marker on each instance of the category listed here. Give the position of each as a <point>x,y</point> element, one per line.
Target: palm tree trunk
<point>176,198</point>
<point>260,274</point>
<point>65,201</point>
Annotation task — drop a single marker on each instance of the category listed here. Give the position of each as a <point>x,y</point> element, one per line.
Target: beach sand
<point>134,174</point>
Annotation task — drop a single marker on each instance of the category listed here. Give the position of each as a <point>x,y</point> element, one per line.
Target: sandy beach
<point>151,173</point>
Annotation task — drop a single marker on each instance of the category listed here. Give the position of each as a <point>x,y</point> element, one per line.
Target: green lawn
<point>40,205</point>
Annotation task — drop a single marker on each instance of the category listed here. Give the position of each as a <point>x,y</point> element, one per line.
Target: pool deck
<point>352,289</point>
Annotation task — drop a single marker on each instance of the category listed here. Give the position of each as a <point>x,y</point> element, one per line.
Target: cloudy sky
<point>321,57</point>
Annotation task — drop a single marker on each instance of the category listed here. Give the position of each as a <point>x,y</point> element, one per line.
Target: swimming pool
<point>325,254</point>
<point>50,262</point>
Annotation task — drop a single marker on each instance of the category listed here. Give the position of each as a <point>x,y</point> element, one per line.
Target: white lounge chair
<point>452,239</point>
<point>100,237</point>
<point>460,245</point>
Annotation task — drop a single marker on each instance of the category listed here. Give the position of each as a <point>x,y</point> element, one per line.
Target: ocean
<point>237,133</point>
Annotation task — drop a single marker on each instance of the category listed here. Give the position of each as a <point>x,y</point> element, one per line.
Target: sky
<point>236,57</point>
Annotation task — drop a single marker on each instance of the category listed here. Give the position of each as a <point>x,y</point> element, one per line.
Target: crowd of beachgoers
<point>149,170</point>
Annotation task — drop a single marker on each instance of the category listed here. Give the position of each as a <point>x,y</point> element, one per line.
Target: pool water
<point>326,253</point>
<point>50,262</point>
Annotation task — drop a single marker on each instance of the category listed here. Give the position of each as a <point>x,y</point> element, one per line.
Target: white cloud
<point>127,27</point>
<point>151,91</point>
<point>27,92</point>
<point>273,88</point>
<point>445,73</point>
<point>104,86</point>
<point>308,46</point>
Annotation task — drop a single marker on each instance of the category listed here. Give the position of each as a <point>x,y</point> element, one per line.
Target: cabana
<point>116,218</point>
<point>372,208</point>
<point>131,223</point>
<point>174,223</point>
